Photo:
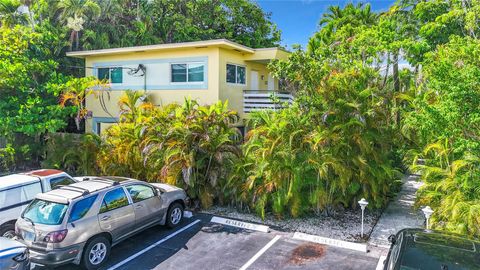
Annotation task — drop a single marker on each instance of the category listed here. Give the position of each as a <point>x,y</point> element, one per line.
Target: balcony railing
<point>254,100</point>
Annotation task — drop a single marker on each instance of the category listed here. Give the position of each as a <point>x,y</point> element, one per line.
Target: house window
<point>191,72</point>
<point>236,74</point>
<point>112,74</point>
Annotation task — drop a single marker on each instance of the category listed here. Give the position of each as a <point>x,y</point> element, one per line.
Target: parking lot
<point>201,244</point>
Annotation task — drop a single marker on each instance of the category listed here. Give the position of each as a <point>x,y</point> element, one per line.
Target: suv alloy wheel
<point>96,253</point>
<point>174,215</point>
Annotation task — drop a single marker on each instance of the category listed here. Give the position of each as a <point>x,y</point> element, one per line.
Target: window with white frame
<point>111,74</point>
<point>236,74</point>
<point>187,72</point>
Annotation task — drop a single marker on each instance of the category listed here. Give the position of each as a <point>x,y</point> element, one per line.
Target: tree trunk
<point>396,87</point>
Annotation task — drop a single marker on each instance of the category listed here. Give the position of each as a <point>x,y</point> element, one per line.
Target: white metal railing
<point>254,100</point>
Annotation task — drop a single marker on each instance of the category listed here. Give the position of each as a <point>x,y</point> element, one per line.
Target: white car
<point>18,190</point>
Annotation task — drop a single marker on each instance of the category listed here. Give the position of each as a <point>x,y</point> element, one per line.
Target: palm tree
<point>196,148</point>
<point>451,188</point>
<point>73,14</point>
<point>76,91</point>
<point>349,18</point>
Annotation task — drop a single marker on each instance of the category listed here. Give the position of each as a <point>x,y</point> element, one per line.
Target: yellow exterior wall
<point>234,92</point>
<point>217,87</point>
<point>158,97</point>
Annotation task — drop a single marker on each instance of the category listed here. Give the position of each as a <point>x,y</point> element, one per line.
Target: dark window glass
<point>231,73</point>
<point>114,199</point>
<point>104,73</point>
<point>45,212</point>
<point>140,192</point>
<point>179,72</point>
<point>240,75</point>
<point>116,75</point>
<point>195,72</point>
<point>60,181</point>
<point>81,208</point>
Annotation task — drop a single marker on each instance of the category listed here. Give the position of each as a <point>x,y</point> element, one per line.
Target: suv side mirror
<point>392,239</point>
<point>159,191</point>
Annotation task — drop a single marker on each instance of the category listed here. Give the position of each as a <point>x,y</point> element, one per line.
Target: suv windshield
<point>45,212</point>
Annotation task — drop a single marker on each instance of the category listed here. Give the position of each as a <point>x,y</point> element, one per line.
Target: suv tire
<point>174,215</point>
<point>96,253</point>
<point>7,230</point>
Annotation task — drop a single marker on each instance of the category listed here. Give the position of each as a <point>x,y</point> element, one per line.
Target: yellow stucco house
<point>207,71</point>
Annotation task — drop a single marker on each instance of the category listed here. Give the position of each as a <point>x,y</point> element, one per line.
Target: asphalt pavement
<point>200,244</point>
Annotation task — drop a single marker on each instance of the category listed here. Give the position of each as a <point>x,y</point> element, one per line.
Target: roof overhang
<point>265,55</point>
<point>221,43</point>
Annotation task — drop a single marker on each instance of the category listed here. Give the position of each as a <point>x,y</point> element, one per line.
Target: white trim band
<point>330,241</point>
<point>240,224</point>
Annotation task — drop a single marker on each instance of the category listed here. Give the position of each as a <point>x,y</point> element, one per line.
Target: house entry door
<point>254,80</point>
<point>271,83</point>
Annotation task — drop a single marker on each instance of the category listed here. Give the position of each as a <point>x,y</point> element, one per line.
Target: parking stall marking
<point>330,241</point>
<point>381,262</point>
<point>153,245</point>
<point>260,252</point>
<point>240,224</point>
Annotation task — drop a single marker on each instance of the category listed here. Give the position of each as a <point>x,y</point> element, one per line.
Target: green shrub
<point>329,149</point>
<point>73,153</point>
<point>190,146</point>
<point>7,159</point>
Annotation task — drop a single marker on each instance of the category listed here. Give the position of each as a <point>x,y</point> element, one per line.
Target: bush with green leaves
<point>73,153</point>
<point>188,145</point>
<point>7,159</point>
<point>445,124</point>
<point>328,150</point>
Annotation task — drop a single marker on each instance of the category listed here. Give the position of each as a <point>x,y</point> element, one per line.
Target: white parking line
<point>152,246</point>
<point>381,262</point>
<point>260,252</point>
<point>330,241</point>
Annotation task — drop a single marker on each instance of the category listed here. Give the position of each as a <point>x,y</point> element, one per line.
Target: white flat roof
<point>15,180</point>
<point>205,43</point>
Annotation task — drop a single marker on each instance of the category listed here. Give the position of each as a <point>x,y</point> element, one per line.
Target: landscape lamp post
<point>363,203</point>
<point>427,211</point>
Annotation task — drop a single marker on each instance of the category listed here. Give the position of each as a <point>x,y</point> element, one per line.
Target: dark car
<point>432,250</point>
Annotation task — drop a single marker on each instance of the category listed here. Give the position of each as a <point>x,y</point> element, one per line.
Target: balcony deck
<point>255,100</point>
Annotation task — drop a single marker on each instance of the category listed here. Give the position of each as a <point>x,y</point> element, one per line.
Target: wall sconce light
<point>262,77</point>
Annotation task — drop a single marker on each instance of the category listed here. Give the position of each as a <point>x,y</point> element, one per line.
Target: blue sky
<point>298,19</point>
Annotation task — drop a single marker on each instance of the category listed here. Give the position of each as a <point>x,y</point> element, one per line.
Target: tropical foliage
<point>7,159</point>
<point>73,153</point>
<point>29,84</point>
<point>95,24</point>
<point>190,146</point>
<point>356,115</point>
<point>39,96</point>
<point>445,122</point>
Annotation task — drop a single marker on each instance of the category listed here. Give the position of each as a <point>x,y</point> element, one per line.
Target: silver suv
<point>80,222</point>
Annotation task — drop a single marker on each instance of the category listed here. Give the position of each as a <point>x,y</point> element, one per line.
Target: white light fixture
<point>427,211</point>
<point>363,203</point>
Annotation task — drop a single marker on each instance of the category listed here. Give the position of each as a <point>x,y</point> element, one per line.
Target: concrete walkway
<point>398,215</point>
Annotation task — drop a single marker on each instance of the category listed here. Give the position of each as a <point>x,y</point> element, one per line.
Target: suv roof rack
<point>84,191</point>
<point>106,181</point>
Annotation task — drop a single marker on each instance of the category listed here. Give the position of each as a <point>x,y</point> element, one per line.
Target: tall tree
<point>73,13</point>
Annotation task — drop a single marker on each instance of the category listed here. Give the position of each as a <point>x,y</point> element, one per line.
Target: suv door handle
<point>105,218</point>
